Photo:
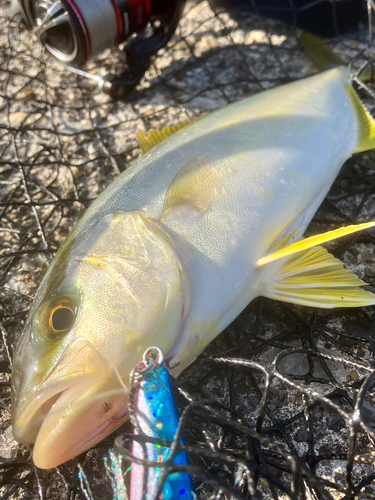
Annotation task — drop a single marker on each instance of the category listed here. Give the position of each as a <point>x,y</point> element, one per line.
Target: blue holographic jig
<point>155,415</point>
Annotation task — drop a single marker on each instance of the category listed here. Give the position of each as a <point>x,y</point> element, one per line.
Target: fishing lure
<point>155,415</point>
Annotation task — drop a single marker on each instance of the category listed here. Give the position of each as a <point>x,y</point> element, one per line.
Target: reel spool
<point>73,31</point>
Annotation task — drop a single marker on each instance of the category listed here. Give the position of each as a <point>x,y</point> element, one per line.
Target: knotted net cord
<point>280,405</point>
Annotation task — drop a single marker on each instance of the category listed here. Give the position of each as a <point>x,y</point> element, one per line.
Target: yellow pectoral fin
<point>316,278</point>
<point>313,241</point>
<point>155,137</point>
<point>195,185</point>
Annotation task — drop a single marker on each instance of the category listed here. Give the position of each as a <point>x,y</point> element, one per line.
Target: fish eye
<point>62,318</point>
<point>55,318</point>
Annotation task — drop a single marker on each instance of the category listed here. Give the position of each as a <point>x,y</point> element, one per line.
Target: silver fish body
<point>168,255</point>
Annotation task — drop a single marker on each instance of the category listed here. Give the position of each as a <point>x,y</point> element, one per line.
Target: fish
<point>157,417</point>
<point>177,246</point>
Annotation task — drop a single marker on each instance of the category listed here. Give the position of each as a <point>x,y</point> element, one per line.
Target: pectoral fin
<point>195,186</point>
<point>317,279</point>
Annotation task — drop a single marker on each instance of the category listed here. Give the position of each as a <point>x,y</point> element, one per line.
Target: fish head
<point>113,290</point>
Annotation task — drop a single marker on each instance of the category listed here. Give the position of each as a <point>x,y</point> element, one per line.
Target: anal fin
<point>315,278</point>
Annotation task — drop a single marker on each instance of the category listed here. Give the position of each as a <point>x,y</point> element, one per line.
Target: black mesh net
<point>282,403</point>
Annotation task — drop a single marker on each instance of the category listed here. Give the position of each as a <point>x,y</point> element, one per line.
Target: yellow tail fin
<point>323,57</point>
<point>319,52</point>
<point>366,123</point>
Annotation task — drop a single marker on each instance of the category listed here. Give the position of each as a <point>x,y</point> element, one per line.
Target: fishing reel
<point>73,31</point>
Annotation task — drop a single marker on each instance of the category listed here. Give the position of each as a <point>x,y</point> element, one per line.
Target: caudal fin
<point>320,53</point>
<point>366,123</point>
<point>323,58</point>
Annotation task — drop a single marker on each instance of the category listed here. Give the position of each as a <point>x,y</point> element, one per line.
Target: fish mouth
<point>27,424</point>
<point>65,423</point>
<point>73,409</point>
<point>104,430</point>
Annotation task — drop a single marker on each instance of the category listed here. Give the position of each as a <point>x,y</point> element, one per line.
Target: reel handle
<point>139,52</point>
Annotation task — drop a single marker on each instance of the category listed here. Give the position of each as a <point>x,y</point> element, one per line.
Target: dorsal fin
<point>195,185</point>
<point>155,137</point>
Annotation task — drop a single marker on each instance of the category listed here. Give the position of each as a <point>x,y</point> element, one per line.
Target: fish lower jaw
<point>44,461</point>
<point>103,430</point>
<point>27,426</point>
<point>51,450</point>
